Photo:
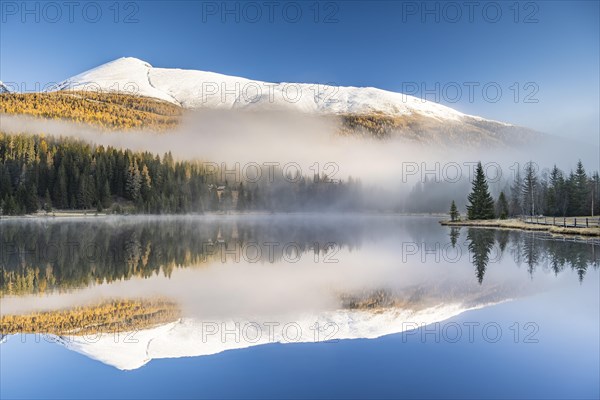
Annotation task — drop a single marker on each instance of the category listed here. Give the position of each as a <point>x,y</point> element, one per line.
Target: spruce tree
<point>580,191</point>
<point>133,182</point>
<point>47,202</point>
<point>60,188</point>
<point>32,203</point>
<point>105,198</point>
<point>454,215</point>
<point>10,206</point>
<point>502,206</point>
<point>481,203</point>
<point>530,188</point>
<point>146,183</point>
<point>516,207</point>
<point>553,199</point>
<point>595,194</point>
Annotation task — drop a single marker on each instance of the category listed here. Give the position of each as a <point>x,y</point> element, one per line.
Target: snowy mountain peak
<point>189,337</point>
<point>124,62</point>
<point>199,89</point>
<point>124,75</point>
<point>3,88</point>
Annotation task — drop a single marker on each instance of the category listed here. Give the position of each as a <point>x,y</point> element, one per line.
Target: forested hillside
<point>39,172</point>
<point>108,110</point>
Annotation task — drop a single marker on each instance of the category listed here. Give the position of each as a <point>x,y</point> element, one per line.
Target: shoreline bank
<point>520,225</point>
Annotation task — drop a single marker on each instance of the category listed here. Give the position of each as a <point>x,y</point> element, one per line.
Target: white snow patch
<point>199,89</point>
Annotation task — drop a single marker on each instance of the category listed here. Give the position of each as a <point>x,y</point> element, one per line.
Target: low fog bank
<point>237,141</point>
<point>281,137</point>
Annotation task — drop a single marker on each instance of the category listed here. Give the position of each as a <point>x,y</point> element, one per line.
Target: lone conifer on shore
<point>481,203</point>
<point>454,215</point>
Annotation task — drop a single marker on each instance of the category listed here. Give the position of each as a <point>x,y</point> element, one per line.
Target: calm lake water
<point>288,306</point>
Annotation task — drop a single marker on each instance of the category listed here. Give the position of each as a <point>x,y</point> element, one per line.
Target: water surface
<point>304,306</point>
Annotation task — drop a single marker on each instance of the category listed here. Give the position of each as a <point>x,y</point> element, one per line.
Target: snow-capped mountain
<point>189,337</point>
<point>389,114</point>
<point>3,88</point>
<point>199,89</point>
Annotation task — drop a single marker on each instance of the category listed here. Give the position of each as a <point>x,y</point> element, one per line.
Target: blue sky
<point>549,50</point>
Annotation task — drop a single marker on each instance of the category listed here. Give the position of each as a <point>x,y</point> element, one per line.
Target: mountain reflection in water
<point>362,276</point>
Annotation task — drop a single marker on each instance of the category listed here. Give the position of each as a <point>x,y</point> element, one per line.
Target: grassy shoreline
<point>520,225</point>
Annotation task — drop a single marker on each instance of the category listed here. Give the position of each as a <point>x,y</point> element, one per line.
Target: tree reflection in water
<point>42,256</point>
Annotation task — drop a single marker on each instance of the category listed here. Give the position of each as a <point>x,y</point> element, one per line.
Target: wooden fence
<point>570,222</point>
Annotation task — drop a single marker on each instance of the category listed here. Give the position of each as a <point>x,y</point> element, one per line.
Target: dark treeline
<point>555,192</point>
<point>47,173</point>
<point>530,191</point>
